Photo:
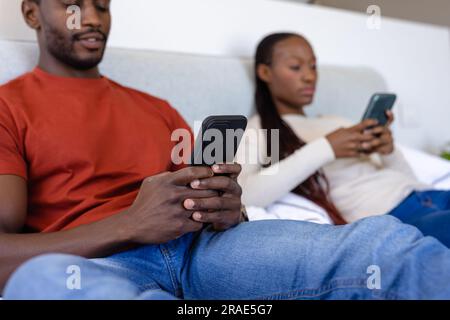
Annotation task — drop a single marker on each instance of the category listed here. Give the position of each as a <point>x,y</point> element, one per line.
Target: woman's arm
<point>263,186</point>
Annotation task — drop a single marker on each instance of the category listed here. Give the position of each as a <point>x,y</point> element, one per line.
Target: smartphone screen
<point>378,105</point>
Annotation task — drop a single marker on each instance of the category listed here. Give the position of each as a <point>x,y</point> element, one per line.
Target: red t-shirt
<point>83,145</point>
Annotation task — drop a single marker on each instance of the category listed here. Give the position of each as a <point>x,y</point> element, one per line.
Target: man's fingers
<point>187,175</point>
<point>212,204</point>
<point>222,183</point>
<point>216,217</point>
<point>233,169</point>
<point>192,226</point>
<point>186,192</point>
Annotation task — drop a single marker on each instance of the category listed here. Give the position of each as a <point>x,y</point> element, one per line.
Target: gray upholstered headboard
<point>203,85</point>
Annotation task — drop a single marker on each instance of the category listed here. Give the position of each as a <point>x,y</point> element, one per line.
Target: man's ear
<point>264,73</point>
<point>30,12</point>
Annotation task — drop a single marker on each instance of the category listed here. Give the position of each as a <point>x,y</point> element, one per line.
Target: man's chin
<point>83,65</point>
<point>84,59</point>
<point>79,61</point>
<point>84,62</point>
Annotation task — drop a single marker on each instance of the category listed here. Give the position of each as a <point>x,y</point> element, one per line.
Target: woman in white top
<point>349,172</point>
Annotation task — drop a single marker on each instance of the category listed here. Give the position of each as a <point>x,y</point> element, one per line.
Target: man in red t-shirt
<point>91,202</point>
<point>77,151</point>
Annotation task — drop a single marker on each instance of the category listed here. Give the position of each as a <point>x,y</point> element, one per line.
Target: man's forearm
<point>96,240</point>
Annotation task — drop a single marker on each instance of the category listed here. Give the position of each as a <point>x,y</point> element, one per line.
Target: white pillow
<point>429,169</point>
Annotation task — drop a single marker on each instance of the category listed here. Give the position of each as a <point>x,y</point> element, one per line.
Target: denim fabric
<point>429,211</point>
<point>256,260</point>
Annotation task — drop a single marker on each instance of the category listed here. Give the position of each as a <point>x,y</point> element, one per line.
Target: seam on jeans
<point>427,201</point>
<point>169,265</point>
<point>331,286</point>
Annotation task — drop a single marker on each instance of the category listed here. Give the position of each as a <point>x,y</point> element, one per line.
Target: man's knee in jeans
<point>41,272</point>
<point>387,227</point>
<point>61,276</point>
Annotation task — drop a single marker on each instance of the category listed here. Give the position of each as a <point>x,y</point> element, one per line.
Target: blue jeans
<point>429,211</point>
<point>257,260</point>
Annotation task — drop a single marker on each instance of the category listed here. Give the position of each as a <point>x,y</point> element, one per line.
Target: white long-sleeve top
<point>359,187</point>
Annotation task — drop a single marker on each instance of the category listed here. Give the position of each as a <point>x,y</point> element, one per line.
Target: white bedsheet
<point>429,169</point>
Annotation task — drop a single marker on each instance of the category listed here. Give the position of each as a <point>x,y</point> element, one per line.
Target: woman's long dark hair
<point>315,188</point>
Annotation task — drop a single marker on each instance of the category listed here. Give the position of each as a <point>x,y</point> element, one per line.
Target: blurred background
<point>427,11</point>
<point>404,43</point>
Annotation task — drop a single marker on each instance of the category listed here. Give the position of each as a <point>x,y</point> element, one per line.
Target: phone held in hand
<point>218,140</point>
<point>378,105</point>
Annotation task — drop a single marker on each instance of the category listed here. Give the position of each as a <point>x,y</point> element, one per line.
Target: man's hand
<point>222,211</point>
<point>157,215</point>
<point>385,144</point>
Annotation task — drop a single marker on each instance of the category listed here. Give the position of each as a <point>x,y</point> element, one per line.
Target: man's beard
<point>64,52</point>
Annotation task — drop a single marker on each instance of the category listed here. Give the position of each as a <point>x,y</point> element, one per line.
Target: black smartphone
<point>218,140</point>
<point>378,105</point>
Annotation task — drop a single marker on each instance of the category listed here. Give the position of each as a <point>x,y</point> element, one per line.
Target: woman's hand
<point>384,134</point>
<point>354,141</point>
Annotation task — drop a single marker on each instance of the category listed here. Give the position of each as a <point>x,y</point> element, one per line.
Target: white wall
<point>414,59</point>
<point>429,11</point>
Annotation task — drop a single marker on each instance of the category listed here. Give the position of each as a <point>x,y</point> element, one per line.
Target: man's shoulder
<point>160,105</point>
<point>13,93</point>
<point>138,94</point>
<point>14,86</point>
